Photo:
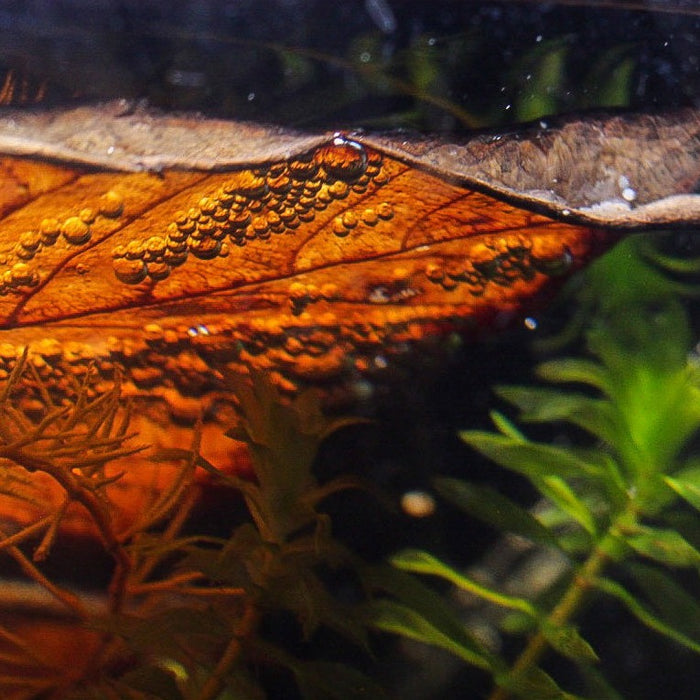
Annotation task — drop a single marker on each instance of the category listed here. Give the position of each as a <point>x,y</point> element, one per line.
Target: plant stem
<point>572,598</point>
<point>215,683</point>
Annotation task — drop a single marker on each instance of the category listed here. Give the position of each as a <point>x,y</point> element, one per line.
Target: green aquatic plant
<point>619,498</point>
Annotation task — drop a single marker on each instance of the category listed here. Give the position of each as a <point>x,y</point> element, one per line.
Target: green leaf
<point>674,605</point>
<point>420,562</point>
<point>615,590</point>
<point>574,370</point>
<point>533,460</point>
<point>665,546</point>
<point>425,602</point>
<point>568,642</point>
<point>687,486</point>
<point>489,506</point>
<point>507,427</point>
<point>560,493</point>
<point>533,684</point>
<point>390,616</point>
<point>543,405</point>
<point>597,686</point>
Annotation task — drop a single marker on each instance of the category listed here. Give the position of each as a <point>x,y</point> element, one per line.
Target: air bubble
<point>130,271</point>
<point>111,204</point>
<point>344,159</point>
<point>75,231</point>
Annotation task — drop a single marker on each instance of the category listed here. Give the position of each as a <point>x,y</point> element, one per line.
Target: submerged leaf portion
<point>304,268</point>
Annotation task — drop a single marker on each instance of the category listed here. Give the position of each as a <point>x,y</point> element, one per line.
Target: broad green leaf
<point>559,492</point>
<point>647,618</point>
<point>491,507</point>
<point>533,460</point>
<point>389,616</point>
<point>665,546</point>
<point>421,562</point>
<point>609,81</point>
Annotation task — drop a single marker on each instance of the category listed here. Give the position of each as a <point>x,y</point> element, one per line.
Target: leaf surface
<point>181,251</point>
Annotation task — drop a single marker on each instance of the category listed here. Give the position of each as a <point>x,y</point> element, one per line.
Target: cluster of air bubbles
<point>500,261</point>
<point>257,204</point>
<point>301,295</point>
<point>73,231</point>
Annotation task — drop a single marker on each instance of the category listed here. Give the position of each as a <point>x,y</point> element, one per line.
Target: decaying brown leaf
<point>176,250</point>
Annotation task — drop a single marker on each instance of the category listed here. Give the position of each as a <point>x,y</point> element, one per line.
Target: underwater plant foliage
<point>620,505</point>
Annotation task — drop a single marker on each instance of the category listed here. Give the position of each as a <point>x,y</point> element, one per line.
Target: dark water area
<point>445,67</point>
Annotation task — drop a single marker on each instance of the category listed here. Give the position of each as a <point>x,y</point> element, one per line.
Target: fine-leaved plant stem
<point>573,597</point>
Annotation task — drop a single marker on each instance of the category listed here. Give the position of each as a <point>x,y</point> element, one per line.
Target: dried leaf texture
<point>308,258</point>
<point>302,268</point>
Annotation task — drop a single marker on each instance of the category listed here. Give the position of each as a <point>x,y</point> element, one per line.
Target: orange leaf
<point>178,250</point>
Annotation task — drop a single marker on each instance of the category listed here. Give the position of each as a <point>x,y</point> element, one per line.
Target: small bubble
<point>434,272</point>
<point>130,271</point>
<point>30,240</point>
<point>158,270</point>
<point>251,185</point>
<point>369,216</point>
<point>350,219</point>
<point>339,228</point>
<point>343,159</point>
<point>385,211</point>
<point>530,323</point>
<point>75,231</point>
<point>205,248</point>
<point>111,204</point>
<point>629,194</point>
<point>87,215</point>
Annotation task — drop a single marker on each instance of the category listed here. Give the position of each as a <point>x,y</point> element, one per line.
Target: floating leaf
<point>180,251</point>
